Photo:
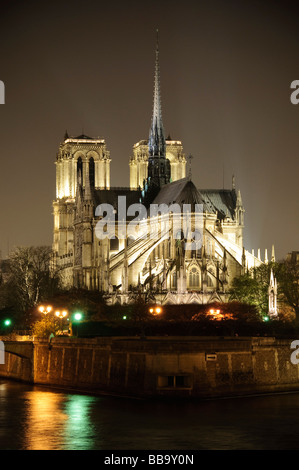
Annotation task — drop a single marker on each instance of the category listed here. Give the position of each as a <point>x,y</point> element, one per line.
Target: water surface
<point>36,418</point>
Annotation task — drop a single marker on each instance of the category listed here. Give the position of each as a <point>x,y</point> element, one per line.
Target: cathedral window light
<point>193,278</point>
<point>173,280</point>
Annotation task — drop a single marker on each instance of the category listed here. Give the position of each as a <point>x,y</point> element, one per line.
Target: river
<point>37,418</point>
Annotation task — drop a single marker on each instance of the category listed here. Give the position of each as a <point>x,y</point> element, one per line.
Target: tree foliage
<point>30,279</point>
<point>288,282</point>
<point>45,327</point>
<point>252,287</point>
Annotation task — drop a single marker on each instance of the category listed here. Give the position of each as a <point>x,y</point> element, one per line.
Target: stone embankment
<point>155,366</point>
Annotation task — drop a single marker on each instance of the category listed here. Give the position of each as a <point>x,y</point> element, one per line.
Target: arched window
<point>173,280</point>
<point>79,170</point>
<point>194,278</point>
<point>91,173</point>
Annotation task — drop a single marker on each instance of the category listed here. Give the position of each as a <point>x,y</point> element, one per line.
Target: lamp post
<point>45,309</point>
<point>61,314</point>
<point>77,317</point>
<point>155,310</point>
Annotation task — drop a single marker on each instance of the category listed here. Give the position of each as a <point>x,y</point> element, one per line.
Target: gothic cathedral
<point>170,268</point>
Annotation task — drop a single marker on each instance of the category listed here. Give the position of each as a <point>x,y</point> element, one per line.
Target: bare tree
<point>31,277</point>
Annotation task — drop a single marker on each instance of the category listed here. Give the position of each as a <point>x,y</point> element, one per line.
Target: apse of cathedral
<point>172,267</point>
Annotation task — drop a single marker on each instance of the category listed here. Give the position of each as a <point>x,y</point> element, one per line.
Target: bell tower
<point>82,163</point>
<point>85,154</point>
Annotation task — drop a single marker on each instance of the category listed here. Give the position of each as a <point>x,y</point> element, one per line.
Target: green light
<point>265,318</point>
<point>7,322</point>
<point>124,317</point>
<point>78,316</point>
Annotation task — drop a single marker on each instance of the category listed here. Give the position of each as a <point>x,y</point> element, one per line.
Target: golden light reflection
<point>58,421</point>
<point>45,418</point>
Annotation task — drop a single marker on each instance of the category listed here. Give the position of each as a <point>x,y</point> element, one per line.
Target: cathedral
<point>170,265</point>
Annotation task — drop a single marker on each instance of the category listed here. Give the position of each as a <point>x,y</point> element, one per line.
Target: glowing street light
<point>44,309</point>
<point>78,316</point>
<point>60,314</point>
<point>155,310</point>
<point>216,314</point>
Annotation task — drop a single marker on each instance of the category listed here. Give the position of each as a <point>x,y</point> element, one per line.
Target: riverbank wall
<point>156,366</point>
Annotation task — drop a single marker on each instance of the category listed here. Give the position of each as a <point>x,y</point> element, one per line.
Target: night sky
<point>226,69</point>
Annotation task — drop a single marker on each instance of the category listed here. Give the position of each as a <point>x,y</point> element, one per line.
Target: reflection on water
<point>34,418</point>
<point>55,419</point>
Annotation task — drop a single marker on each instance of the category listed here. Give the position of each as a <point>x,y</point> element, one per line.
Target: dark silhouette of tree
<point>288,282</point>
<point>30,279</point>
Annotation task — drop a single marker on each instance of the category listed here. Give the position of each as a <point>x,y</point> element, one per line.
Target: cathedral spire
<point>158,165</point>
<point>156,137</point>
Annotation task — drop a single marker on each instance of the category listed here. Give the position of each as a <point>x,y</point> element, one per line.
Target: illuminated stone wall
<point>198,367</point>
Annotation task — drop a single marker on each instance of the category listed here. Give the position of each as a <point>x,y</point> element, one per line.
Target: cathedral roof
<point>110,196</point>
<point>220,201</point>
<point>182,191</point>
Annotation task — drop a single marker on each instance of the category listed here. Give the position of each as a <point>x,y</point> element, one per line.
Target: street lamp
<point>61,315</point>
<point>44,309</point>
<point>155,310</point>
<point>215,314</point>
<point>77,317</point>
